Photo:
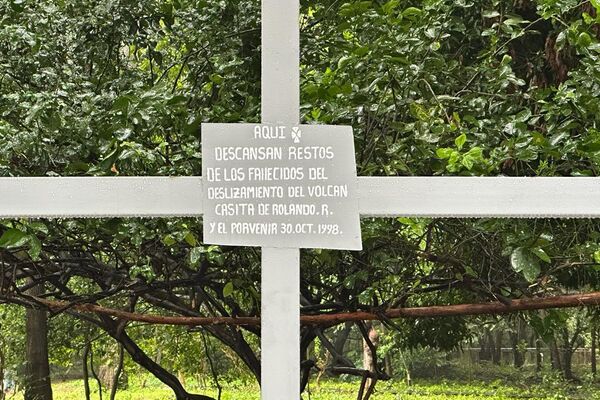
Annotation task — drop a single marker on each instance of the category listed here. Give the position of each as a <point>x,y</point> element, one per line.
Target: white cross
<point>378,197</point>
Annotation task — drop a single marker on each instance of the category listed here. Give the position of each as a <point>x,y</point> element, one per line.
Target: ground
<point>419,390</point>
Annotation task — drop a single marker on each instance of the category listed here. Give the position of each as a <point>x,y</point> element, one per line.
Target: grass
<point>338,390</point>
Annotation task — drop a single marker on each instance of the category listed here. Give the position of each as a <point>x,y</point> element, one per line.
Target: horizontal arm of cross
<point>91,197</point>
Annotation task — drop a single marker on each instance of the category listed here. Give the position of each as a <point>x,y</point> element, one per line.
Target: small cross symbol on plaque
<point>296,134</point>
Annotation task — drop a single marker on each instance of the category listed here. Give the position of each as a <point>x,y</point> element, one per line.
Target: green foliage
<point>411,80</point>
<point>14,238</point>
<point>525,261</point>
<point>87,87</point>
<point>437,87</point>
<point>12,341</point>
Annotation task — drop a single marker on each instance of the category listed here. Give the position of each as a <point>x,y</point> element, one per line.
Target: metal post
<point>280,332</point>
<point>280,310</point>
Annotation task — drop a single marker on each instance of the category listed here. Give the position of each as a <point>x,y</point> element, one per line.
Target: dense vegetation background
<point>435,87</point>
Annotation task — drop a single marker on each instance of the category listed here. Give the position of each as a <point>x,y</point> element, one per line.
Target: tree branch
<point>492,308</point>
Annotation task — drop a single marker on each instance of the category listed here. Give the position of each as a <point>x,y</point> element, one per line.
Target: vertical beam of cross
<point>280,283</point>
<point>280,62</point>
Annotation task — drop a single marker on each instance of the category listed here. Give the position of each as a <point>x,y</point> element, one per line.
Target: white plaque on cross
<point>280,186</point>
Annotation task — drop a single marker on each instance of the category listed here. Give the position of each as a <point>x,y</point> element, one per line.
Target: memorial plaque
<point>280,186</point>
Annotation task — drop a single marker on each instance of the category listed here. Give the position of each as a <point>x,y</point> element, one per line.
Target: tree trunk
<point>2,395</point>
<point>341,338</point>
<point>593,355</point>
<point>555,355</point>
<point>497,348</point>
<point>518,360</point>
<point>86,374</point>
<point>516,337</point>
<point>569,348</point>
<point>115,381</point>
<point>484,348</point>
<point>94,374</point>
<point>233,338</point>
<point>538,355</point>
<point>387,362</point>
<point>118,333</point>
<point>368,356</point>
<point>38,386</point>
<point>370,359</point>
<point>567,363</point>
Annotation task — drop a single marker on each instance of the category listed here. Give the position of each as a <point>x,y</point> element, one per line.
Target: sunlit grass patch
<point>336,390</point>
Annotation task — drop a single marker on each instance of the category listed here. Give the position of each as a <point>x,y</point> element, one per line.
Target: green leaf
<point>228,289</point>
<point>121,103</point>
<point>542,255</point>
<point>460,141</point>
<point>35,247</point>
<point>213,249</point>
<point>523,116</point>
<point>506,60</point>
<point>584,39</point>
<point>78,166</point>
<point>123,133</point>
<point>476,153</point>
<point>190,239</point>
<point>418,111</point>
<point>216,78</point>
<point>38,226</point>
<point>16,238</point>
<point>444,153</point>
<point>390,6</point>
<point>13,238</point>
<point>355,8</point>
<point>196,255</point>
<point>514,20</point>
<point>177,100</point>
<point>169,240</point>
<point>491,14</point>
<point>412,12</point>
<point>597,256</point>
<point>362,51</point>
<point>524,261</point>
<point>561,40</point>
<point>470,271</point>
<point>468,162</point>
